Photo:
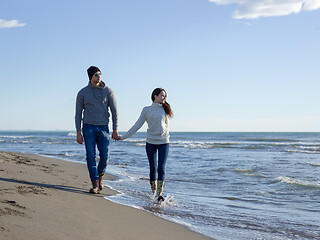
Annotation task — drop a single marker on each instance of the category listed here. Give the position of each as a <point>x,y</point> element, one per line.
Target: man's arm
<point>114,113</point>
<point>78,117</point>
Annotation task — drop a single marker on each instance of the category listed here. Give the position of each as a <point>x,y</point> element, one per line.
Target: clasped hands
<point>115,135</point>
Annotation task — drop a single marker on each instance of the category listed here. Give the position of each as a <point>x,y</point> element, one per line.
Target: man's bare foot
<point>101,181</point>
<point>94,189</point>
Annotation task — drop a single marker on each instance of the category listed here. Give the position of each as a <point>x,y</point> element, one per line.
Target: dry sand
<point>47,198</point>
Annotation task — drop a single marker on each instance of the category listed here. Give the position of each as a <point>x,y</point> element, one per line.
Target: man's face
<point>96,79</point>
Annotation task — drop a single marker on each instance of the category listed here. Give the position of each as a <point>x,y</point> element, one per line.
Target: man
<point>93,102</point>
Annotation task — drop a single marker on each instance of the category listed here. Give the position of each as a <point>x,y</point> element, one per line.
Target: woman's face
<point>161,98</point>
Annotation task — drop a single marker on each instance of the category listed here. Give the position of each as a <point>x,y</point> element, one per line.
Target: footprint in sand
<point>14,209</point>
<point>31,189</point>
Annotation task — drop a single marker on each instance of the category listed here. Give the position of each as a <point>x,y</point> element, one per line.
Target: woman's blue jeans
<point>157,167</point>
<point>96,136</point>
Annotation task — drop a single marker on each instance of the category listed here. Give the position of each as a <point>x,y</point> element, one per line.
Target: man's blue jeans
<point>163,150</point>
<point>96,136</point>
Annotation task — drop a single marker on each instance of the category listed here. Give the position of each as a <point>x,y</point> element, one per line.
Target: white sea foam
<point>314,164</point>
<point>135,140</point>
<point>289,180</point>
<point>16,137</point>
<point>302,151</point>
<point>69,154</point>
<point>24,141</point>
<point>204,144</point>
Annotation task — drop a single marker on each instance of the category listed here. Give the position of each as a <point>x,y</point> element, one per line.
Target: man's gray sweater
<point>94,103</point>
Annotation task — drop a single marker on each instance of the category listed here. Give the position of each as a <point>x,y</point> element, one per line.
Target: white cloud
<point>311,5</point>
<point>250,9</point>
<point>10,24</point>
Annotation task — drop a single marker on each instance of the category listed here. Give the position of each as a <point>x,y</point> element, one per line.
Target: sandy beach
<point>47,198</point>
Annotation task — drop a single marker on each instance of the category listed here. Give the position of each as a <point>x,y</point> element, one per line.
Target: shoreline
<point>47,198</point>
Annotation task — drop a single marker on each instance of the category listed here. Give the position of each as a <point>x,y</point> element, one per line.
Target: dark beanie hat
<point>92,70</point>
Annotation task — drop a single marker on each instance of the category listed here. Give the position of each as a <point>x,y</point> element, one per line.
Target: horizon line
<point>190,131</point>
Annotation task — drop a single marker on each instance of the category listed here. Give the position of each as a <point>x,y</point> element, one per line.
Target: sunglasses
<point>97,74</point>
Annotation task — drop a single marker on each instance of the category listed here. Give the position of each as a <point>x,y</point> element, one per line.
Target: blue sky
<point>227,65</point>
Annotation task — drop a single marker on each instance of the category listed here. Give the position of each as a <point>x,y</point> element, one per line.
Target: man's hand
<point>79,137</point>
<point>115,135</point>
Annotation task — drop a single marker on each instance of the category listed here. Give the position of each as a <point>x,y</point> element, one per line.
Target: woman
<point>157,117</point>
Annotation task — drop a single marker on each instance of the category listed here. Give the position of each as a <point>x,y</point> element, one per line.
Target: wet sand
<point>47,198</point>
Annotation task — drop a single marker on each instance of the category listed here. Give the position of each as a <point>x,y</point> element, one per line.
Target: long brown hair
<point>166,106</point>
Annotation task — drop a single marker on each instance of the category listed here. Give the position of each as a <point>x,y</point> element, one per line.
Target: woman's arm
<point>137,125</point>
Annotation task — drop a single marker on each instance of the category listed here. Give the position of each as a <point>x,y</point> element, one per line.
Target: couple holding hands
<point>92,119</point>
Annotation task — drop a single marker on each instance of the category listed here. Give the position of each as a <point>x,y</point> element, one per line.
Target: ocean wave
<point>278,144</point>
<point>254,147</point>
<point>140,143</point>
<point>36,141</point>
<point>314,164</point>
<point>302,151</point>
<point>270,139</point>
<point>308,146</point>
<point>244,170</point>
<point>135,140</point>
<point>250,173</point>
<point>203,145</point>
<point>23,141</point>
<point>65,154</point>
<point>200,144</point>
<point>120,153</point>
<point>69,154</point>
<point>192,144</point>
<point>301,147</point>
<point>298,182</point>
<point>72,134</point>
<point>16,137</point>
<point>255,175</point>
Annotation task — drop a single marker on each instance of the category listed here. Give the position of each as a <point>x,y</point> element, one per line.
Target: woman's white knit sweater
<point>158,124</point>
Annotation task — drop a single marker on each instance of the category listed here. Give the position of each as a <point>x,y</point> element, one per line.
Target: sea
<point>225,185</point>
